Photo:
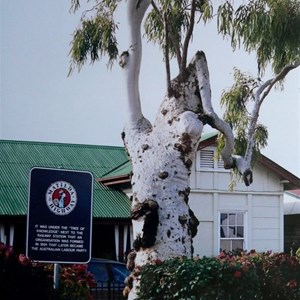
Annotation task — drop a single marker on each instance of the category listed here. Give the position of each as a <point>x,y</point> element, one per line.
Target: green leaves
<point>176,16</point>
<point>237,98</point>
<point>207,278</point>
<point>243,276</point>
<point>237,101</point>
<point>225,18</point>
<point>205,7</point>
<point>267,27</point>
<point>96,36</point>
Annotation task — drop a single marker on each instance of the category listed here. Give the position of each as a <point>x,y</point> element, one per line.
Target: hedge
<point>244,276</point>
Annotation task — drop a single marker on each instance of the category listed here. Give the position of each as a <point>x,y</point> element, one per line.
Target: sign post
<point>56,276</point>
<point>59,218</point>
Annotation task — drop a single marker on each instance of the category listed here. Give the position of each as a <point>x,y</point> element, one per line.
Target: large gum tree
<point>162,153</point>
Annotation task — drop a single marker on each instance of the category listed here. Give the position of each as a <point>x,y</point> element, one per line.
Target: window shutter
<point>207,159</point>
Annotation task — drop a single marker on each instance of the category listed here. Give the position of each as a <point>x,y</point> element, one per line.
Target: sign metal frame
<point>59,215</point>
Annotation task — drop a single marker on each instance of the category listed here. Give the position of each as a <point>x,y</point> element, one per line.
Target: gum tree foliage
<point>162,153</point>
<point>265,27</point>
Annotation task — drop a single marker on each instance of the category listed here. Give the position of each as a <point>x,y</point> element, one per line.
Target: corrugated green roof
<point>124,169</point>
<point>18,157</point>
<point>110,202</point>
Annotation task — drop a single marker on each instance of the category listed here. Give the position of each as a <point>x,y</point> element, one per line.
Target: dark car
<point>110,276</point>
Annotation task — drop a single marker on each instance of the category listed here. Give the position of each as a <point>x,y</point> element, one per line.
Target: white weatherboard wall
<point>261,204</point>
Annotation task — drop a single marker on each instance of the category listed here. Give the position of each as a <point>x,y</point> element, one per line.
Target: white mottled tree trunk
<point>162,155</point>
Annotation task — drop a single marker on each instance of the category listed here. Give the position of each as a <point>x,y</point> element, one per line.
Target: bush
<point>279,275</point>
<point>226,277</point>
<point>75,282</point>
<point>21,278</point>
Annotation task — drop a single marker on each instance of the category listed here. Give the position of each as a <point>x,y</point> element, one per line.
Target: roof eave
<point>289,180</point>
<point>114,180</point>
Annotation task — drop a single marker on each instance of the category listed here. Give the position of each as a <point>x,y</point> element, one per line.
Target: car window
<point>99,271</point>
<point>120,272</point>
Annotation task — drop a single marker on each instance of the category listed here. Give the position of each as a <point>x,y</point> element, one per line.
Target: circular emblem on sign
<point>61,198</point>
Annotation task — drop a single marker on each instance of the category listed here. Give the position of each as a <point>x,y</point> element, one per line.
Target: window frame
<point>245,227</point>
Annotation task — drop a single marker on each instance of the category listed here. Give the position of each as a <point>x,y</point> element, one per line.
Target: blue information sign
<point>59,218</point>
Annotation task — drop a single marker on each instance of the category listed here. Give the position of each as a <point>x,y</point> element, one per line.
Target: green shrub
<point>21,278</point>
<point>75,282</point>
<point>226,277</point>
<point>279,275</point>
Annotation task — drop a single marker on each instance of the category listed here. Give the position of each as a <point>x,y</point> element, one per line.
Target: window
<point>232,231</point>
<point>206,160</point>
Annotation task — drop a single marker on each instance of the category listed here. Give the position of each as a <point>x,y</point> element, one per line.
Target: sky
<point>39,102</point>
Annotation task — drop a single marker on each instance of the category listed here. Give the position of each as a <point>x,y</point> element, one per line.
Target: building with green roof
<point>111,206</point>
<point>255,211</point>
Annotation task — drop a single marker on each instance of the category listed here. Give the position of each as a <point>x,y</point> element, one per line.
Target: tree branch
<point>166,54</point>
<point>205,93</point>
<point>279,77</point>
<point>268,85</point>
<point>130,60</point>
<point>188,38</point>
<point>230,161</point>
<point>172,37</point>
